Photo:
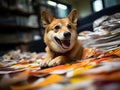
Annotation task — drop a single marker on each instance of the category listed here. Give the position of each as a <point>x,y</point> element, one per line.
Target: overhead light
<point>97,5</point>
<point>62,6</point>
<point>51,3</point>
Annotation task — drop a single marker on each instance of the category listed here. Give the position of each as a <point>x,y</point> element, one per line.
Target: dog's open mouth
<point>64,43</point>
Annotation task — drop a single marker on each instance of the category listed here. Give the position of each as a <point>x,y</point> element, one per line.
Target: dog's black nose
<point>67,34</point>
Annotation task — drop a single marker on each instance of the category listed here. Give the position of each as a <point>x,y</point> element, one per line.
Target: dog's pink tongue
<point>65,44</point>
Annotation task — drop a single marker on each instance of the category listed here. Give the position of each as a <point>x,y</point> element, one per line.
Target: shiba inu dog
<point>60,37</point>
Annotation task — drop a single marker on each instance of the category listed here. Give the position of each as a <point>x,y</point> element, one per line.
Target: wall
<point>83,6</point>
<point>118,1</point>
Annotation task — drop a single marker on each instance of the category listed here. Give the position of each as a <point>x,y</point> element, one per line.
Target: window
<point>98,5</point>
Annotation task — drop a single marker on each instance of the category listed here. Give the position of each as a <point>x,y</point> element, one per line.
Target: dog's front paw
<point>44,63</point>
<point>55,62</point>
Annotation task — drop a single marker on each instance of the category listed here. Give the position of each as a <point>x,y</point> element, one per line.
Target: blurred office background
<point>20,25</point>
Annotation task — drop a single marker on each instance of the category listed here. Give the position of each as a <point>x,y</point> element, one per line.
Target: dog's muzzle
<point>67,34</point>
<point>65,42</point>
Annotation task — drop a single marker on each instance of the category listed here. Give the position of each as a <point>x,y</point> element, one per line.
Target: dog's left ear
<point>73,16</point>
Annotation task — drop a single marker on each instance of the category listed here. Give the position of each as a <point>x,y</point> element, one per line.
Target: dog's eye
<point>69,26</point>
<point>57,27</point>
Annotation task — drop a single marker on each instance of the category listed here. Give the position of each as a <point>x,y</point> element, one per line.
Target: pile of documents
<point>98,70</point>
<point>105,35</point>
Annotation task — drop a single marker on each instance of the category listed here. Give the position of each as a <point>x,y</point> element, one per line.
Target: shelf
<point>9,46</point>
<point>20,42</point>
<point>34,46</point>
<point>16,27</point>
<point>11,28</point>
<point>15,43</point>
<point>4,10</point>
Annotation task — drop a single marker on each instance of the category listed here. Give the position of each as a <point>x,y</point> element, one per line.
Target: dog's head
<point>60,34</point>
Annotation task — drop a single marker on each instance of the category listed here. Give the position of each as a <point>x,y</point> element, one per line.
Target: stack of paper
<point>98,70</point>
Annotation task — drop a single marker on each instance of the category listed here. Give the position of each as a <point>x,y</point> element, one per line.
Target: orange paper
<point>49,80</point>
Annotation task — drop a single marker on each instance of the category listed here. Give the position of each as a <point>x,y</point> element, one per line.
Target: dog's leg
<point>45,62</point>
<point>48,62</point>
<point>57,61</point>
<point>47,59</point>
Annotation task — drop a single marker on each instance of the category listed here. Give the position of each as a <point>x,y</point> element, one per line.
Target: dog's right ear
<point>46,18</point>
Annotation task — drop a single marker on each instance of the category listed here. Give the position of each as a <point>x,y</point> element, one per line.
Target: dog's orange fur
<point>67,47</point>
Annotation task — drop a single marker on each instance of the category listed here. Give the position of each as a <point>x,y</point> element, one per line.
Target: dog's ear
<point>73,16</point>
<point>46,18</point>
